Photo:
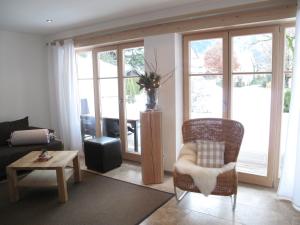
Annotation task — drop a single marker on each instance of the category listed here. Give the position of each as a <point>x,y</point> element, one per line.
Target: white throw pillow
<point>210,153</point>
<point>28,137</point>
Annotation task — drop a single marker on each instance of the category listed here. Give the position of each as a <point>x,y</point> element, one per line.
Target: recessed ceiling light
<point>49,21</point>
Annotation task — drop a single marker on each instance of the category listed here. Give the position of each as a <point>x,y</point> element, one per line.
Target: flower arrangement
<point>150,82</point>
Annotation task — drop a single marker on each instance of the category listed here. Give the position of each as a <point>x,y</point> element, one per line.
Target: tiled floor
<point>255,205</point>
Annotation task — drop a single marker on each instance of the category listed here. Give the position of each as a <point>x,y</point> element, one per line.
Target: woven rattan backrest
<point>212,129</point>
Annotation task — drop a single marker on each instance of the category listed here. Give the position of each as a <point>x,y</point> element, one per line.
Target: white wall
<point>23,78</point>
<point>169,58</point>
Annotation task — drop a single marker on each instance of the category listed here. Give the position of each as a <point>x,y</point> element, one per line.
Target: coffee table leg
<point>77,171</point>
<point>62,185</point>
<point>12,184</point>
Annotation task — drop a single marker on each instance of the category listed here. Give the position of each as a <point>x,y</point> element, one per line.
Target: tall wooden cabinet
<point>151,144</point>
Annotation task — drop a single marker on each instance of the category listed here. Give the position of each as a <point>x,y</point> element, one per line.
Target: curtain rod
<point>53,43</point>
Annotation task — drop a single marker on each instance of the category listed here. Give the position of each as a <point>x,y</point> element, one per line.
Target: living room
<point>149,112</point>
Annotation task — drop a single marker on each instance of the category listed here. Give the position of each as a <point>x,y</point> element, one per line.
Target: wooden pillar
<point>151,144</point>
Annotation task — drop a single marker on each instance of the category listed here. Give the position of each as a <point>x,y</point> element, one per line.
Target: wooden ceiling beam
<point>245,15</point>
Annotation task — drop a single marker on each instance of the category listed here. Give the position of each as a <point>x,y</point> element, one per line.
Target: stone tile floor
<point>255,205</point>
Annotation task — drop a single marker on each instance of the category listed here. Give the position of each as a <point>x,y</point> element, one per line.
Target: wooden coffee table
<point>49,173</point>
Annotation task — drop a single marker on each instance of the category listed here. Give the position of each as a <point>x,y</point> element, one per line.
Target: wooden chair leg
<point>179,198</point>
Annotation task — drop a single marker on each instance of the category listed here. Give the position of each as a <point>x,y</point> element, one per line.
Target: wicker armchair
<point>229,131</point>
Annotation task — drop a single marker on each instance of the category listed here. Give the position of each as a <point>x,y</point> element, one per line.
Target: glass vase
<point>152,96</point>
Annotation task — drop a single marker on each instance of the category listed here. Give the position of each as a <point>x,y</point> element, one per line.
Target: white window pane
<point>133,59</point>
<point>107,64</point>
<point>251,105</point>
<point>206,96</point>
<point>84,62</point>
<point>206,56</point>
<point>252,53</point>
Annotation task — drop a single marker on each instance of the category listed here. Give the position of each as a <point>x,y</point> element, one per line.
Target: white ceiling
<point>30,15</point>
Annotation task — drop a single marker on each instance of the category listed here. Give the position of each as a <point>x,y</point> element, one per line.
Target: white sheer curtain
<point>289,186</point>
<point>64,94</point>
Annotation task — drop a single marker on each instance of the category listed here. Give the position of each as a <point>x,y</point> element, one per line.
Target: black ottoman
<point>102,154</point>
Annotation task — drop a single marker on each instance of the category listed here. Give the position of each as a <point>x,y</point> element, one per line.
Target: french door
<point>233,75</point>
<point>118,100</point>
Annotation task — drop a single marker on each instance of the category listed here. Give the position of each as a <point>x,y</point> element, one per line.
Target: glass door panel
<point>251,104</point>
<point>133,63</point>
<point>206,56</point>
<point>109,98</point>
<point>108,93</point>
<point>84,62</point>
<point>84,67</point>
<point>206,78</point>
<point>206,96</point>
<point>252,53</point>
<point>86,95</point>
<point>251,80</point>
<point>107,64</point>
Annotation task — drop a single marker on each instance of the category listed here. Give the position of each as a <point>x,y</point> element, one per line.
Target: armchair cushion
<point>210,153</point>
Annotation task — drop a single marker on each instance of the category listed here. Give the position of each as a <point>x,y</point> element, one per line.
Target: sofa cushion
<point>28,137</point>
<point>6,128</point>
<point>21,124</point>
<point>4,133</point>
